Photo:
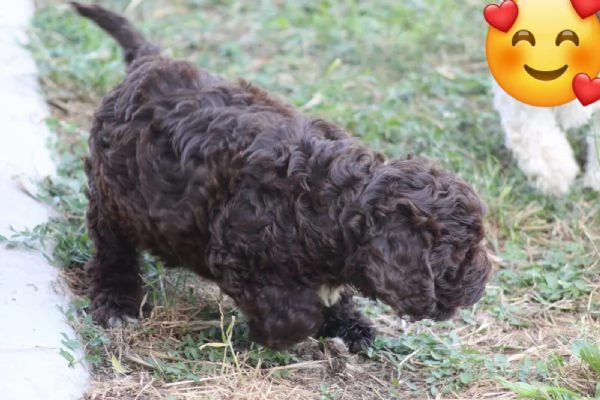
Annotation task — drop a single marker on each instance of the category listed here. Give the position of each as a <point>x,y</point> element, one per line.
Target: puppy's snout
<point>476,277</point>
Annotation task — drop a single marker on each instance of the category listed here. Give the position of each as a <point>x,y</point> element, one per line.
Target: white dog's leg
<point>592,170</point>
<point>573,115</point>
<point>538,144</point>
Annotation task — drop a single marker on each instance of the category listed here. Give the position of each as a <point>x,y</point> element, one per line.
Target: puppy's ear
<point>394,267</point>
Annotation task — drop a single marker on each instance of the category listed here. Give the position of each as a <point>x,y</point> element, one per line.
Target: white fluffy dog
<point>537,138</point>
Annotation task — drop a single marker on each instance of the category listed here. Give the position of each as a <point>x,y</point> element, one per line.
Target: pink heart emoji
<point>586,89</point>
<point>586,8</point>
<point>503,16</point>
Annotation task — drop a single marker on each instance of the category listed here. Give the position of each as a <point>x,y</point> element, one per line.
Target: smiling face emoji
<point>536,60</point>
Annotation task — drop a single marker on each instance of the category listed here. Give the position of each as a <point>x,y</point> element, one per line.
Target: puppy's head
<point>418,235</point>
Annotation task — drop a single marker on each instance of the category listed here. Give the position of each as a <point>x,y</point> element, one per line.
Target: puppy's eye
<point>567,35</point>
<point>523,34</point>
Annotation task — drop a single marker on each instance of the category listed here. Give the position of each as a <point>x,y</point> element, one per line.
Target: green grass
<point>406,77</point>
<point>589,355</point>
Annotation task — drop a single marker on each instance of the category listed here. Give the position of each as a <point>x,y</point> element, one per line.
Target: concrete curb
<point>31,366</point>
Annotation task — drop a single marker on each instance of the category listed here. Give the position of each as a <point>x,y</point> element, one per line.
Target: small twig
<point>143,389</point>
<point>57,104</point>
<point>300,365</point>
<point>192,325</point>
<point>408,357</point>
<point>587,234</point>
<point>201,380</point>
<point>139,361</point>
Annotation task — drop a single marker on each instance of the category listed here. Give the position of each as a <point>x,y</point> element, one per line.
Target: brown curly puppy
<point>283,211</point>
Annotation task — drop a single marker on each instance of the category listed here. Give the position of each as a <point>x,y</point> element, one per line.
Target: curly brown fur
<point>270,204</point>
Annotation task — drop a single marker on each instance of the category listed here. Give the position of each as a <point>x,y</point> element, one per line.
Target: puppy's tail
<point>120,28</point>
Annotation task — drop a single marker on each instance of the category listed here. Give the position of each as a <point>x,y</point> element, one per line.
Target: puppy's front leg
<point>343,320</point>
<point>280,316</point>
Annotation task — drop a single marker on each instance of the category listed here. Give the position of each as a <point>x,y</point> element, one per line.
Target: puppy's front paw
<point>359,337</point>
<point>352,327</point>
<point>112,311</point>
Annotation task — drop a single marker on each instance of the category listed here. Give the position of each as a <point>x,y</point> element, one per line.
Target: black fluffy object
<point>272,205</point>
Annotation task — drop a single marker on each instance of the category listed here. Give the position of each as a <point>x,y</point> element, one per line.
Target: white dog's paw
<point>591,179</point>
<point>555,179</point>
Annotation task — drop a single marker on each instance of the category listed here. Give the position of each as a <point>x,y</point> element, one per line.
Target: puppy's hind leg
<point>343,320</point>
<point>113,271</point>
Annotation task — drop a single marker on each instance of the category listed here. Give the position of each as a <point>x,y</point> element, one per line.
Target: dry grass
<point>148,346</point>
